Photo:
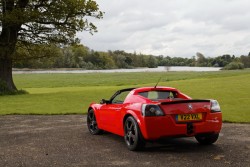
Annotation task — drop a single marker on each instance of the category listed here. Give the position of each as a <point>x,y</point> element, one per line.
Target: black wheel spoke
<point>133,136</point>
<point>133,129</point>
<point>131,141</point>
<point>128,135</point>
<point>93,123</point>
<point>90,118</point>
<point>128,126</point>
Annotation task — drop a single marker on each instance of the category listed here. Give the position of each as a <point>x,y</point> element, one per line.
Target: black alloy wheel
<point>92,123</point>
<point>132,135</point>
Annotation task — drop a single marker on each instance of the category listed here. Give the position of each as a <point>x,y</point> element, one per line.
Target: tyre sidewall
<point>207,139</point>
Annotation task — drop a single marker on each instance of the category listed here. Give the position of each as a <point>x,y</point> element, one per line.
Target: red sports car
<point>151,113</point>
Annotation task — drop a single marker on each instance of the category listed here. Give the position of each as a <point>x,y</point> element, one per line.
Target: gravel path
<point>63,140</point>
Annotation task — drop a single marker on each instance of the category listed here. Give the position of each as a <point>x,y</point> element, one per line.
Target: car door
<point>111,115</point>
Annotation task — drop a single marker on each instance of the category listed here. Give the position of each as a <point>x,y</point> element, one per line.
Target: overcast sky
<point>173,27</point>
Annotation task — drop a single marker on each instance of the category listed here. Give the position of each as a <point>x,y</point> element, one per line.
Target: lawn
<point>72,93</point>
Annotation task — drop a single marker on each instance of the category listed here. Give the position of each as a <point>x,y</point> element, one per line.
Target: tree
<point>234,66</point>
<point>201,60</point>
<point>28,22</point>
<point>245,60</point>
<point>152,62</point>
<point>45,56</point>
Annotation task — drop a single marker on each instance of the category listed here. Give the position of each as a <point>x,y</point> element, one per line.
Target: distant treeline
<point>79,56</point>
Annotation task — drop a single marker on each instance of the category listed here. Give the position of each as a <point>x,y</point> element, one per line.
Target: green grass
<point>72,93</point>
<point>111,79</point>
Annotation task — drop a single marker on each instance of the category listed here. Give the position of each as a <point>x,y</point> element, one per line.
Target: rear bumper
<point>153,128</point>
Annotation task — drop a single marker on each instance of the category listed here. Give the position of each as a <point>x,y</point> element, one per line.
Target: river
<point>158,69</point>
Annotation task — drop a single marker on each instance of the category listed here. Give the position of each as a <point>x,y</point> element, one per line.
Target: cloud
<point>173,27</point>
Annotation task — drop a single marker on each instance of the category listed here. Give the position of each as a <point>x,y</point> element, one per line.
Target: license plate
<point>189,117</point>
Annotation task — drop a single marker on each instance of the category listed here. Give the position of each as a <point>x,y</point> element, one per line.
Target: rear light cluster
<point>215,107</point>
<point>149,110</point>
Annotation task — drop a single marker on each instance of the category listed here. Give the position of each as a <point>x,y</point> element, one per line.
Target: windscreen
<point>159,95</point>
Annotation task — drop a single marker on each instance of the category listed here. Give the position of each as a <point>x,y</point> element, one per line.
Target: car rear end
<point>181,118</point>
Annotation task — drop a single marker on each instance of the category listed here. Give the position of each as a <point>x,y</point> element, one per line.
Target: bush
<point>234,66</point>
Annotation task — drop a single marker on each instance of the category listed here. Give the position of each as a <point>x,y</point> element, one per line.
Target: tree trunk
<point>6,75</point>
<point>8,39</point>
<point>6,80</point>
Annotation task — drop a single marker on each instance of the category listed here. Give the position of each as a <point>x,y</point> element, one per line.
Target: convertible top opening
<point>159,94</point>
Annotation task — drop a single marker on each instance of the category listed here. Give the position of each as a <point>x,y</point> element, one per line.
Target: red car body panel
<point>111,117</point>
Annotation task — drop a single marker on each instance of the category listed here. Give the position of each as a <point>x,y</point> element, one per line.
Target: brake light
<point>149,110</point>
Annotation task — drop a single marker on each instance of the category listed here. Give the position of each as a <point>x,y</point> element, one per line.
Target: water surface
<point>159,69</point>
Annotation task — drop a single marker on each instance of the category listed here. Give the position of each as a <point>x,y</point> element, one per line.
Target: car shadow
<point>172,145</point>
<point>176,145</point>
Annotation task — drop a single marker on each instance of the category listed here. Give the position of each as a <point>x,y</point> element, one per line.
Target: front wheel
<point>92,123</point>
<point>207,139</point>
<point>132,135</point>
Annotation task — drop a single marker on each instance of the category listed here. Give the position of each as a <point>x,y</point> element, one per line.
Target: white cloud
<point>172,27</point>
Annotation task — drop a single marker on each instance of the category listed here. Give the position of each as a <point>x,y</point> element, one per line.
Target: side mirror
<point>103,101</point>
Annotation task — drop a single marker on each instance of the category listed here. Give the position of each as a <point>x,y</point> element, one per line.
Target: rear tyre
<point>207,139</point>
<point>132,135</point>
<point>92,123</point>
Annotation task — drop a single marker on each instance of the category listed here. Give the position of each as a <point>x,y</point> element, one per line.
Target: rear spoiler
<point>184,101</point>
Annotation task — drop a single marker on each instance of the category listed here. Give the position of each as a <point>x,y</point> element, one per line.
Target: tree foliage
<point>80,56</point>
<point>234,66</point>
<point>47,21</point>
<point>245,60</point>
<point>31,24</point>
